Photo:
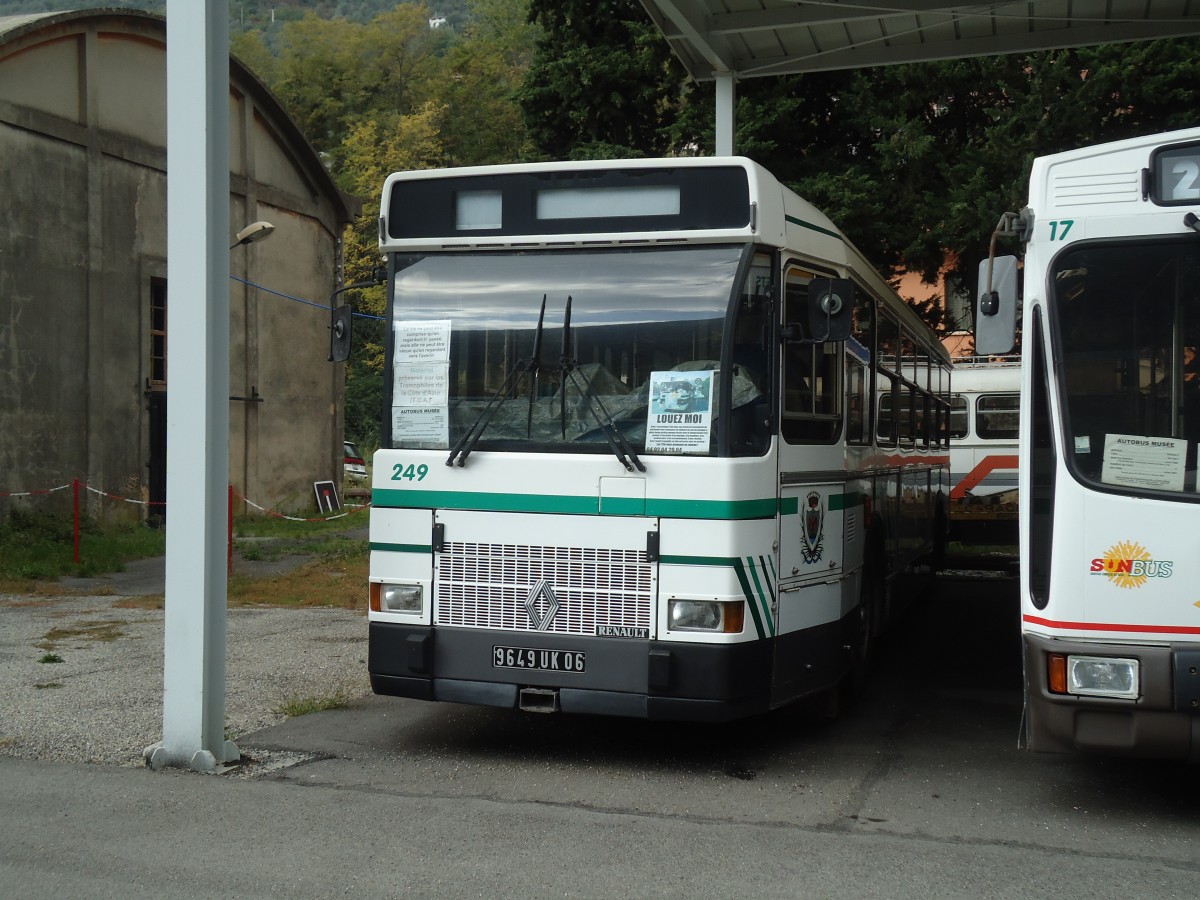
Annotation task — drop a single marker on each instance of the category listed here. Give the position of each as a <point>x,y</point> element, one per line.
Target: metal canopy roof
<point>754,38</point>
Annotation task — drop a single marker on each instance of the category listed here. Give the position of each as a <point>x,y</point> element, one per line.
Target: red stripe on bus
<point>985,468</point>
<point>1111,626</point>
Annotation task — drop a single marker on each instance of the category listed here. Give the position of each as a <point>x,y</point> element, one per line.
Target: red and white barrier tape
<point>279,515</point>
<point>248,502</point>
<point>61,487</point>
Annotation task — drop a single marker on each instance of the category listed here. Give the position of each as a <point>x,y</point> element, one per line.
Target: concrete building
<point>84,302</point>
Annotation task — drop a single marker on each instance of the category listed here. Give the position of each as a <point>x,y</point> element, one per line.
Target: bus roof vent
<point>1096,188</point>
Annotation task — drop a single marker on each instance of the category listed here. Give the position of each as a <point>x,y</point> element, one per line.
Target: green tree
<point>372,150</point>
<point>603,82</point>
<point>915,162</point>
<point>482,73</point>
<point>388,93</point>
<point>330,73</point>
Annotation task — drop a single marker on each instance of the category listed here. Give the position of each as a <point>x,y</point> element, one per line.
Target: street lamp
<point>255,231</point>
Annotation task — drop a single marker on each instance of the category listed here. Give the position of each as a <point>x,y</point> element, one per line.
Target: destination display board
<point>587,201</point>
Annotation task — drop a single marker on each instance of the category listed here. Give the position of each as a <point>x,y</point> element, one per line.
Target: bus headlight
<point>1095,676</point>
<point>399,598</point>
<point>719,616</point>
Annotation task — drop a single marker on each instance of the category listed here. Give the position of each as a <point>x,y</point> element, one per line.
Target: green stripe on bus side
<point>401,548</point>
<point>622,506</point>
<point>813,227</point>
<point>762,599</point>
<point>739,568</point>
<point>848,500</point>
<point>790,506</point>
<point>712,509</point>
<point>540,503</point>
<point>763,508</point>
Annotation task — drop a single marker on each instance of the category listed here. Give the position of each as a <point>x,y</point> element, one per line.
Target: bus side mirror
<point>340,334</point>
<point>830,309</point>
<point>996,310</point>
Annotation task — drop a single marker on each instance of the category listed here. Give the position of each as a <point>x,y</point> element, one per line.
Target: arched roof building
<point>84,302</point>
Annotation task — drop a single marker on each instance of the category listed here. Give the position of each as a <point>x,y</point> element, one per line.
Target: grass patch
<point>146,601</point>
<point>38,549</point>
<point>302,706</point>
<point>42,547</point>
<point>332,546</point>
<point>85,631</point>
<point>337,582</point>
<point>335,579</point>
<point>41,595</point>
<point>273,527</point>
<point>50,658</point>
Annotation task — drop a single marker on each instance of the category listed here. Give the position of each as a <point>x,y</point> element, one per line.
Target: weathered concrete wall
<point>83,184</point>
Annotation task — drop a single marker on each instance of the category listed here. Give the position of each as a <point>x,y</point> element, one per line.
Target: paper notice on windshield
<point>680,416</point>
<point>1147,462</point>
<point>421,425</point>
<point>421,382</point>
<point>421,385</point>
<point>422,342</point>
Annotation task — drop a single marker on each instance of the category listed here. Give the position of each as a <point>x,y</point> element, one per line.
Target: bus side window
<point>750,416</point>
<point>886,422</point>
<point>812,374</point>
<point>997,416</point>
<point>958,416</point>
<point>887,366</point>
<point>857,402</point>
<point>859,351</point>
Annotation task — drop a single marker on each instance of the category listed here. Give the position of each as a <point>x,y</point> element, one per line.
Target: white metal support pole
<point>726,122</point>
<point>198,398</point>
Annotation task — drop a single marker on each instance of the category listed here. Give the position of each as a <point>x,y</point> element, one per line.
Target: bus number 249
<point>401,472</point>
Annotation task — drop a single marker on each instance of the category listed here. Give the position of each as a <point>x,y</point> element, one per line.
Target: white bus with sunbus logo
<point>1110,423</point>
<point>629,463</point>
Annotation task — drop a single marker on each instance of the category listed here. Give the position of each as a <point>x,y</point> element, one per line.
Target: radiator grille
<point>487,585</point>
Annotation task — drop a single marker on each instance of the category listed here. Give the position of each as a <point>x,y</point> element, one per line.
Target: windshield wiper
<point>569,368</point>
<point>460,452</point>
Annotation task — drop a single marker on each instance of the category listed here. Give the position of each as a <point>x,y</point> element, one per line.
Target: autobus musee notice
<point>1110,421</point>
<point>631,463</point>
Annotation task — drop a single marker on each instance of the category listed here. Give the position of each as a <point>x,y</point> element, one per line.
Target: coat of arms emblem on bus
<point>813,536</point>
<point>541,604</point>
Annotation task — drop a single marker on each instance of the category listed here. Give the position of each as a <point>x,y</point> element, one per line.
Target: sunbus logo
<point>1129,565</point>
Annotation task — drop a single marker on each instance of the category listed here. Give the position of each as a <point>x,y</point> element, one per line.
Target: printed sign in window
<point>680,416</point>
<point>1147,462</point>
<point>421,382</point>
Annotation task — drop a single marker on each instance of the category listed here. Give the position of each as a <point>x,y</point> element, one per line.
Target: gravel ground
<point>103,702</point>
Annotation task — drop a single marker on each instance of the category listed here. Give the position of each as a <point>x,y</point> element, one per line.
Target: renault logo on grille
<point>542,596</point>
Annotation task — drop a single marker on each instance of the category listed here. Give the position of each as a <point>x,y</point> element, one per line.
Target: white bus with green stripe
<point>633,462</point>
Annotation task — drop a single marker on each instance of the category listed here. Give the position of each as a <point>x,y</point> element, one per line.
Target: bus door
<point>808,649</point>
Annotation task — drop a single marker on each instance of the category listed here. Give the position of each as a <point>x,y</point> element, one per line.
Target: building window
<point>158,333</point>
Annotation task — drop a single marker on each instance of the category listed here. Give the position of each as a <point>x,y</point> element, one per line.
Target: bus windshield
<point>646,337</point>
<point>1129,330</point>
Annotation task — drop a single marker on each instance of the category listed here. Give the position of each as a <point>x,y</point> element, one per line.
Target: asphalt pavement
<point>919,790</point>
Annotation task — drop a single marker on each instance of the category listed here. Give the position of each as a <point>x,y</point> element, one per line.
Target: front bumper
<point>634,678</point>
<point>1163,723</point>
